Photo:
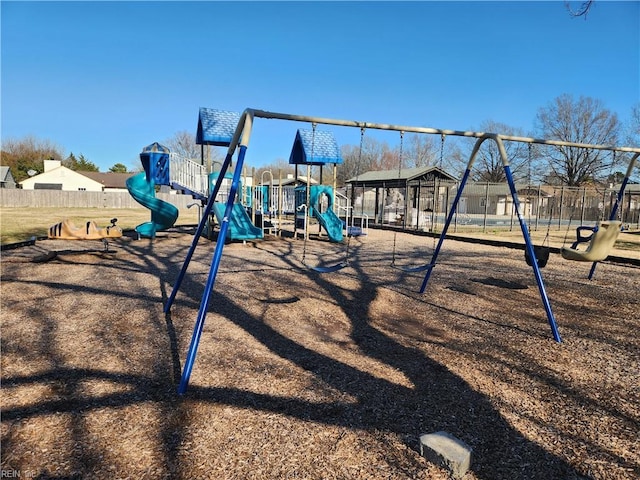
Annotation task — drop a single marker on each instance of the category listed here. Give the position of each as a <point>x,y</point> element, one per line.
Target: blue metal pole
<point>614,212</point>
<point>213,271</point>
<point>196,236</point>
<point>452,212</point>
<point>532,255</point>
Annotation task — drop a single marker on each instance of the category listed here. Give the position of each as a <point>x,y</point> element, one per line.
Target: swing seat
<point>330,269</point>
<point>355,231</point>
<point>419,268</point>
<point>600,243</point>
<point>542,255</point>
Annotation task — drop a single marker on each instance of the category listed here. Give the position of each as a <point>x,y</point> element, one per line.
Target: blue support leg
<point>198,234</point>
<point>452,212</point>
<point>213,272</point>
<point>532,255</point>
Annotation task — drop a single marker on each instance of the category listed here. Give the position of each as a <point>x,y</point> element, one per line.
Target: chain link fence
<point>489,206</point>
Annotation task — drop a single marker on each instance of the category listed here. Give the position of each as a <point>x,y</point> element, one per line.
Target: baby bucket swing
<point>601,239</point>
<point>541,251</point>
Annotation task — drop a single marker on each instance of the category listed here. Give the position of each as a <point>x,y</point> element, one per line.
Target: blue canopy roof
<point>216,127</point>
<point>317,148</point>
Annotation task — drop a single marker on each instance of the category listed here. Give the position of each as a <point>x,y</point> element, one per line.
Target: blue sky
<point>104,79</point>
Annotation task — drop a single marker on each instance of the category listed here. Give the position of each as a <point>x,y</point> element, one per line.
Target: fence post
<point>486,207</point>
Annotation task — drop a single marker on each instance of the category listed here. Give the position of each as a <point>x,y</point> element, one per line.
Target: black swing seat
<point>541,253</point>
<point>601,241</point>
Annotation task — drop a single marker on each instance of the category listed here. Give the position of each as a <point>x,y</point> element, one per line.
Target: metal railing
<point>188,174</point>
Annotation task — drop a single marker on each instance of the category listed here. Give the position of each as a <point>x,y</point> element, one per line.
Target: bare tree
<point>422,151</point>
<point>581,11</point>
<point>632,139</point>
<point>633,128</point>
<point>489,167</point>
<point>28,153</point>
<point>374,155</point>
<point>580,121</point>
<point>184,144</point>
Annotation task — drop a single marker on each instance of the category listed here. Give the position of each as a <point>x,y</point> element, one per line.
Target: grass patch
<point>21,223</point>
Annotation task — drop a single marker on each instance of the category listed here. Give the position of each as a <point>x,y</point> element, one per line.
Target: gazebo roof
<point>403,175</point>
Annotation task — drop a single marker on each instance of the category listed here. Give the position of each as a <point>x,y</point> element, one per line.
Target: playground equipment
<point>604,235</point>
<point>601,241</point>
<point>321,208</point>
<point>240,226</point>
<point>155,160</point>
<point>315,147</point>
<point>543,250</point>
<point>319,148</point>
<point>238,142</point>
<point>66,230</point>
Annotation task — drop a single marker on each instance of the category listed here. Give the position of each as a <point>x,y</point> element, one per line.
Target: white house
<point>57,177</point>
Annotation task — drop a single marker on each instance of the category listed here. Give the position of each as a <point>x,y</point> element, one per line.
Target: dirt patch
<point>315,376</point>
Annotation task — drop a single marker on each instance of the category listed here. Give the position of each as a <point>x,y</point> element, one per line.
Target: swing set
<point>238,142</point>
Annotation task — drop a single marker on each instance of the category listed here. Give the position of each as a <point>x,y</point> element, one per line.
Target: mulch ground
<point>314,376</point>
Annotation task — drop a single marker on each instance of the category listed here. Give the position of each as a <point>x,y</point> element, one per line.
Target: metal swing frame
<point>240,142</point>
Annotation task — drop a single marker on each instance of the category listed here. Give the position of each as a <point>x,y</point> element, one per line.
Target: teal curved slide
<point>328,220</point>
<point>240,226</point>
<point>331,223</point>
<point>163,214</point>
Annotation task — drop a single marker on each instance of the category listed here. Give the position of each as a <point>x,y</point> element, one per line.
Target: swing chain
<point>395,232</point>
<point>308,199</point>
<point>357,175</point>
<point>400,154</point>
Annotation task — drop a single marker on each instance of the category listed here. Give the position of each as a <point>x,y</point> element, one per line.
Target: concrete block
<point>447,451</point>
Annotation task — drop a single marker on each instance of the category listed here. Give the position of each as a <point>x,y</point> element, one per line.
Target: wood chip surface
<point>301,375</point>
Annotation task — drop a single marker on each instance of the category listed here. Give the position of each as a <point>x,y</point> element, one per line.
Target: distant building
<point>58,177</point>
<point>111,182</point>
<point>6,178</point>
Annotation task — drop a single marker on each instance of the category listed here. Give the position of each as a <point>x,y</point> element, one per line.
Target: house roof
<point>109,179</point>
<point>4,172</point>
<point>403,175</point>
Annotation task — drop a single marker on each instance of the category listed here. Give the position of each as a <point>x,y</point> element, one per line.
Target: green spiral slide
<point>163,214</point>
